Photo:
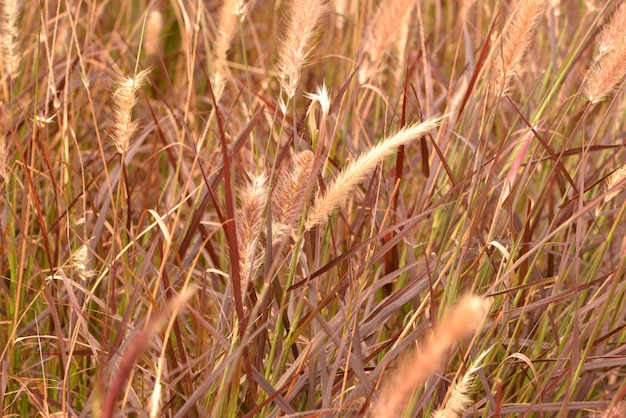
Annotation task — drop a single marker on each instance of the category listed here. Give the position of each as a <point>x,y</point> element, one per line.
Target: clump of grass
<point>327,233</point>
<point>136,348</point>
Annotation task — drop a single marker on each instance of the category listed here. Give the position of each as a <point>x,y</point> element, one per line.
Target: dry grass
<point>269,218</point>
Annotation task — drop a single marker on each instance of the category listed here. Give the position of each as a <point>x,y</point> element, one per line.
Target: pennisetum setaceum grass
<point>312,208</point>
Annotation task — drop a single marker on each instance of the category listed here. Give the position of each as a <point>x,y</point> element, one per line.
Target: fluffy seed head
<point>249,224</point>
<point>606,76</point>
<point>609,69</point>
<point>232,12</point>
<point>382,34</point>
<point>291,192</point>
<point>615,182</point>
<point>516,40</point>
<point>124,98</point>
<point>616,411</point>
<point>295,48</point>
<point>613,33</point>
<point>9,32</point>
<point>457,398</point>
<point>152,36</point>
<point>347,181</point>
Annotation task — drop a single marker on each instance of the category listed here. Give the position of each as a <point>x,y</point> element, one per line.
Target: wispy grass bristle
<point>124,99</point>
<point>79,262</point>
<point>457,398</point>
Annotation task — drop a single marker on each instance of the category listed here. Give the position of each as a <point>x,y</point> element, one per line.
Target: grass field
<point>312,208</point>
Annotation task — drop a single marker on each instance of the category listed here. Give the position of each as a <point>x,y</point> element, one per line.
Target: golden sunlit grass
<point>312,208</point>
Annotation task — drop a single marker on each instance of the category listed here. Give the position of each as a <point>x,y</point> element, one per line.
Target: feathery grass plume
<point>321,96</point>
<point>381,34</point>
<point>232,12</point>
<point>295,46</point>
<point>345,183</point>
<point>152,36</point>
<point>124,98</point>
<point>249,224</point>
<point>465,318</point>
<point>457,397</point>
<point>609,69</point>
<point>290,194</point>
<point>613,32</point>
<point>605,76</point>
<point>9,32</point>
<point>516,40</point>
